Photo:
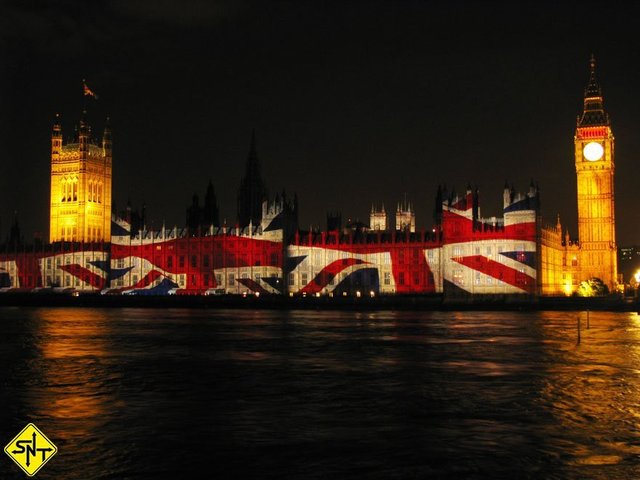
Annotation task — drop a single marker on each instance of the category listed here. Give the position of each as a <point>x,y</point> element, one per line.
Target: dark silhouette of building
<point>202,218</point>
<point>252,191</point>
<point>334,221</point>
<point>210,210</point>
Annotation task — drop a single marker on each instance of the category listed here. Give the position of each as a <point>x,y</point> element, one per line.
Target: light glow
<point>593,151</point>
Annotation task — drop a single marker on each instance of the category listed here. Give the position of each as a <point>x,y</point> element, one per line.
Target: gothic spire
<point>252,189</point>
<point>593,113</point>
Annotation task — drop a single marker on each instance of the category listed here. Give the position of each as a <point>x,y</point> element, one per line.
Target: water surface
<point>148,394</point>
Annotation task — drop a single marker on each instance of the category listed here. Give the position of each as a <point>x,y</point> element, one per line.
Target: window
<point>232,280</point>
<point>205,261</point>
<point>194,261</point>
<point>387,278</point>
<point>170,261</point>
<point>181,261</point>
<point>304,279</point>
<point>401,278</point>
<point>292,278</point>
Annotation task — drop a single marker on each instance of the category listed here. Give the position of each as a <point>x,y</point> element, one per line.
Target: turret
<point>106,141</point>
<point>56,138</point>
<point>506,196</point>
<point>84,135</point>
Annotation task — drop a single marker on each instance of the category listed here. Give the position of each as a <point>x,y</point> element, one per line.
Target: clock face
<point>593,151</point>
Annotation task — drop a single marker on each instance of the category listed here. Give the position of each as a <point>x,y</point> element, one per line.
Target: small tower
<point>378,218</point>
<point>405,217</point>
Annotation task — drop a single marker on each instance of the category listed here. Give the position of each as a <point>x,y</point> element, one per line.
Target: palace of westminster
<point>515,254</point>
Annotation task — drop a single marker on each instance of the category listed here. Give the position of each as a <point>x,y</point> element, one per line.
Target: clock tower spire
<point>595,168</point>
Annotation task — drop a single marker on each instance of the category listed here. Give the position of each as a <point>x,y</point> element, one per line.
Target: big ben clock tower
<point>594,157</point>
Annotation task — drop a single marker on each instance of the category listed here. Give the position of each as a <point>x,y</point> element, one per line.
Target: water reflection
<point>592,389</point>
<point>73,348</point>
<point>164,393</point>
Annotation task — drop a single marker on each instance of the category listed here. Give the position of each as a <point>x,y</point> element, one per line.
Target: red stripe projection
<point>329,272</point>
<point>457,229</point>
<point>177,256</point>
<point>96,281</point>
<point>498,271</point>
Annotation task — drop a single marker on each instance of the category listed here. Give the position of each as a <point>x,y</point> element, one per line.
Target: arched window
<point>75,189</point>
<point>63,187</point>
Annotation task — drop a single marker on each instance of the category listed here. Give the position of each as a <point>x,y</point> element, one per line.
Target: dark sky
<point>352,102</point>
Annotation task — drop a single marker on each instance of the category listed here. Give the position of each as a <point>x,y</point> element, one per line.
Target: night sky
<point>352,102</point>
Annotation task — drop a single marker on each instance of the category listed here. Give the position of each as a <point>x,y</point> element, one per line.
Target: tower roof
<point>593,113</point>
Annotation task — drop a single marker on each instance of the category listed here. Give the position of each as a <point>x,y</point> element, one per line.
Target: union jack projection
<point>464,254</point>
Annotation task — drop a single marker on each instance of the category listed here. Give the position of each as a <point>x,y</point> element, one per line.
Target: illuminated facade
<point>462,255</point>
<point>265,252</point>
<point>595,167</point>
<point>565,264</point>
<point>378,218</point>
<point>80,206</point>
<point>405,217</point>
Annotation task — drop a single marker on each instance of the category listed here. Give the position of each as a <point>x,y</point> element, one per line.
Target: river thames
<point>152,394</point>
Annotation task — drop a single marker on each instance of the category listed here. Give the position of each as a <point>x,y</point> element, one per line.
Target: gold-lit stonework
<point>595,168</point>
<point>564,264</point>
<point>80,187</point>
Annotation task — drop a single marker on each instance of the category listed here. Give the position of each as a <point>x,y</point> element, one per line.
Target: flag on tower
<point>88,91</point>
